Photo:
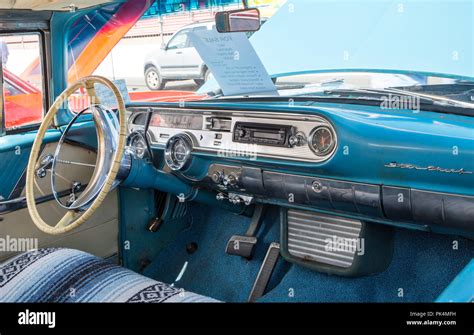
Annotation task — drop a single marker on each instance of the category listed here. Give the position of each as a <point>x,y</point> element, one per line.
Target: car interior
<point>110,193</point>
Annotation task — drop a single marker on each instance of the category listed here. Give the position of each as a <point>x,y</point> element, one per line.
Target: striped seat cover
<point>65,275</point>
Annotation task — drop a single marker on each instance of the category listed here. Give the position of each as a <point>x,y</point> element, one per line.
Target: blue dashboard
<point>400,167</point>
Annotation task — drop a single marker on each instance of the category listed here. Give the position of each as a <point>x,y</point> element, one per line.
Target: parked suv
<point>177,60</point>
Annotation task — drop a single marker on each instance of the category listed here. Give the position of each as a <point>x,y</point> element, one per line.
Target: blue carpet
<point>210,270</point>
<point>423,265</point>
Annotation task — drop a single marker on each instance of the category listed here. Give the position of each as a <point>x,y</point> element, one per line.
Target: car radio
<point>265,134</point>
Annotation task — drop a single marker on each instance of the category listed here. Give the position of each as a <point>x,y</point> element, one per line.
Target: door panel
<point>98,236</point>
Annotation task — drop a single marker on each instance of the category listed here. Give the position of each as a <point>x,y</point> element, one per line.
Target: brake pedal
<point>265,272</point>
<point>243,245</point>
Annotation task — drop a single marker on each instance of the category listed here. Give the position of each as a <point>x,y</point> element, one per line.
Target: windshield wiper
<point>381,93</point>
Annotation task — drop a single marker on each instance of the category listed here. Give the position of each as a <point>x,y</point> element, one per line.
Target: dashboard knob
<point>317,186</point>
<point>297,140</point>
<point>235,200</point>
<point>216,177</point>
<point>220,196</point>
<point>293,140</point>
<point>230,180</point>
<point>241,132</point>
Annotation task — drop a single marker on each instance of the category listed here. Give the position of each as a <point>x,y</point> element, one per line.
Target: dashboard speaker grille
<point>322,238</point>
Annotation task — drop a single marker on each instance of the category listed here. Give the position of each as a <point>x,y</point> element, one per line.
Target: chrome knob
<point>317,186</point>
<point>236,200</point>
<point>216,177</point>
<point>220,196</point>
<point>230,180</point>
<point>297,140</point>
<point>293,140</point>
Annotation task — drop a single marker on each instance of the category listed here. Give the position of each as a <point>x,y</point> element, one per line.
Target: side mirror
<point>240,20</point>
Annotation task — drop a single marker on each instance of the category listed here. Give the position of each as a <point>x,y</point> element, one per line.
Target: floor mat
<point>422,267</point>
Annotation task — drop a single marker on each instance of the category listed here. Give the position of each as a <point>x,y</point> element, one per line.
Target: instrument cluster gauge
<point>136,142</point>
<point>322,141</point>
<point>178,151</point>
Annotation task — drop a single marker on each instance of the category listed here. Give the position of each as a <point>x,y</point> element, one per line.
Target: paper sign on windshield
<point>233,62</point>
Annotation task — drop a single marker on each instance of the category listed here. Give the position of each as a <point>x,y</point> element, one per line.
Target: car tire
<point>153,79</point>
<point>201,82</point>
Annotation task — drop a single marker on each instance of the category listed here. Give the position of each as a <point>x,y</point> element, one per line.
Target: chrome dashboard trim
<point>207,143</point>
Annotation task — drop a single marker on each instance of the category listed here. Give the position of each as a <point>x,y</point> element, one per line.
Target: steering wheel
<point>111,138</point>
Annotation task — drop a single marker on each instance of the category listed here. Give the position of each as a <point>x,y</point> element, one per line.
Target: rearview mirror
<point>240,20</point>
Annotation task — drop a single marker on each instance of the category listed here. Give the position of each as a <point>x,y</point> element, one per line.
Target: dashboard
<point>355,161</point>
<point>305,138</point>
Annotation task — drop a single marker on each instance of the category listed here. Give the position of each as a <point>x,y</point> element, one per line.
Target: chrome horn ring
<point>107,127</point>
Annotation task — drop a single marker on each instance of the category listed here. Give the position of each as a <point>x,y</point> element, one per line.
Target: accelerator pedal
<point>243,245</point>
<point>265,272</point>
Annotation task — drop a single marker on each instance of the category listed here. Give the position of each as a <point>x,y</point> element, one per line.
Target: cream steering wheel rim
<point>72,219</point>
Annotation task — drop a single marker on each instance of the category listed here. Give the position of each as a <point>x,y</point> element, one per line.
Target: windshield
<point>368,84</point>
<point>332,49</point>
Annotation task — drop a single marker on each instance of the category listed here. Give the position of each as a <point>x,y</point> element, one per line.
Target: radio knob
<point>297,140</point>
<point>241,132</point>
<point>293,140</point>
